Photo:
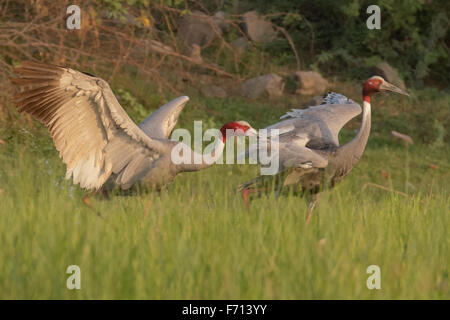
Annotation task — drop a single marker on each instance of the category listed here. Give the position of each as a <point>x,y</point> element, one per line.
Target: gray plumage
<point>161,122</point>
<point>95,137</point>
<point>320,125</point>
<point>308,140</point>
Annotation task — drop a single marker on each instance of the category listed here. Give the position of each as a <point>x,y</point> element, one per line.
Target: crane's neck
<point>352,151</point>
<point>199,161</point>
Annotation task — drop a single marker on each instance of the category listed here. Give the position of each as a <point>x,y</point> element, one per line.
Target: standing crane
<point>309,154</point>
<point>96,139</point>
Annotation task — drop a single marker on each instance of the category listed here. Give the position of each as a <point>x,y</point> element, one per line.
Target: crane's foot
<point>86,200</point>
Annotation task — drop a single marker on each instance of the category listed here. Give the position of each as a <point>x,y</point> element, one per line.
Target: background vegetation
<point>332,35</point>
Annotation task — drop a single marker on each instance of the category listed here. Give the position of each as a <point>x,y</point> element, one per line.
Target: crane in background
<point>310,157</point>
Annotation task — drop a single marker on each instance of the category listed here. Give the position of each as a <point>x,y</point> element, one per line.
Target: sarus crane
<point>96,139</point>
<point>309,154</point>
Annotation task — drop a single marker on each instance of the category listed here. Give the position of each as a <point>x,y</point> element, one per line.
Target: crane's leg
<point>312,201</point>
<point>247,192</point>
<point>87,202</point>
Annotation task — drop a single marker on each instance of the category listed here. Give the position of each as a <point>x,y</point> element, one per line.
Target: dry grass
<point>147,43</point>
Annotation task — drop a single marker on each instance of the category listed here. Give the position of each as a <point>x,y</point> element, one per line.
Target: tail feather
<point>248,184</point>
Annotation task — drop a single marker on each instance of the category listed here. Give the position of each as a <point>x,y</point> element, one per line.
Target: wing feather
<point>93,134</point>
<point>303,131</point>
<point>322,123</point>
<point>160,123</point>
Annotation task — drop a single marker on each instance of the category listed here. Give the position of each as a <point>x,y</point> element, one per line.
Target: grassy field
<point>195,240</point>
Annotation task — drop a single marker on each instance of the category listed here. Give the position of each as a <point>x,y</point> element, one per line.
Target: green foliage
<point>195,240</point>
<point>131,103</point>
<point>332,36</point>
<point>412,36</point>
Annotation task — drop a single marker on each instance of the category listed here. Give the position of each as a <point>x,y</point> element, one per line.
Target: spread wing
<point>304,130</point>
<point>160,123</point>
<point>320,123</point>
<point>93,134</point>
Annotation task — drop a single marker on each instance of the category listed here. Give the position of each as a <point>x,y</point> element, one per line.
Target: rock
<point>219,20</point>
<point>193,29</point>
<point>152,45</point>
<point>141,51</point>
<point>310,82</point>
<point>196,54</point>
<point>159,46</point>
<point>390,74</point>
<point>213,91</point>
<point>407,140</point>
<point>240,44</point>
<point>270,85</point>
<point>258,29</point>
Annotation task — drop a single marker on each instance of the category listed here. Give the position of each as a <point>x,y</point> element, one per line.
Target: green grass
<point>195,240</point>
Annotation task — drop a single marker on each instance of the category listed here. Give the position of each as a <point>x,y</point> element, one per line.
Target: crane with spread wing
<point>96,139</point>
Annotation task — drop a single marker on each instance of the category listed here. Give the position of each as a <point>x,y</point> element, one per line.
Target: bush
<point>332,35</point>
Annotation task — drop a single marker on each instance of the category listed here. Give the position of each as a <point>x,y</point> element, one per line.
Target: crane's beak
<point>390,87</point>
<point>251,132</point>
